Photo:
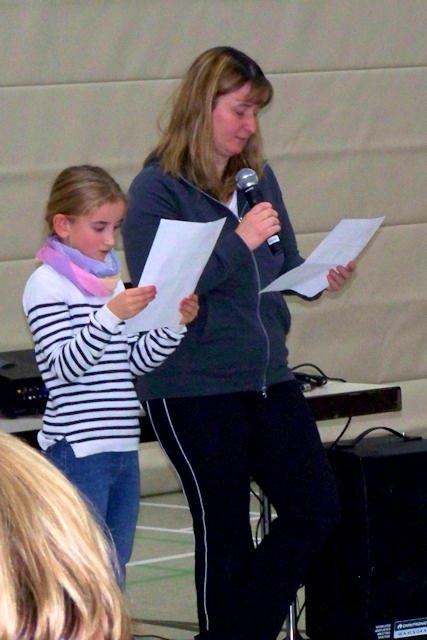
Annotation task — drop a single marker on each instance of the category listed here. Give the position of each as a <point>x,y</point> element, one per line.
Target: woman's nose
<point>251,122</point>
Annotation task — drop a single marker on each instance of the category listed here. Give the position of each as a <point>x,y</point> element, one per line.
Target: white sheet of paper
<point>174,265</point>
<point>342,244</point>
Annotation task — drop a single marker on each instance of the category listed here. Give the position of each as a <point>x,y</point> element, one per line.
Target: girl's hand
<point>189,308</point>
<point>337,277</point>
<point>128,303</point>
<point>261,222</point>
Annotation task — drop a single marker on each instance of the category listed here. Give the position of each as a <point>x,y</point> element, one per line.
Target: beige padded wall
<point>84,81</point>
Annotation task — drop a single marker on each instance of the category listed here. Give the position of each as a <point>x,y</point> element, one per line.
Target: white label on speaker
<point>410,628</point>
<point>383,631</point>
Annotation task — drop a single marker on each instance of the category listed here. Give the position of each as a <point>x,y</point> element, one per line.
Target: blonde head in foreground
<point>56,577</point>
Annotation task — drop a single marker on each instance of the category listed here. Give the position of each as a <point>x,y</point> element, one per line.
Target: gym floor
<point>160,583</point>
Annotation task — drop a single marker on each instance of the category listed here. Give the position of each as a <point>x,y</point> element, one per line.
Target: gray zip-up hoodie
<point>238,340</point>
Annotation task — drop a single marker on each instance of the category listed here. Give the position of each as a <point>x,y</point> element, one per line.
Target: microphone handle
<point>253,197</point>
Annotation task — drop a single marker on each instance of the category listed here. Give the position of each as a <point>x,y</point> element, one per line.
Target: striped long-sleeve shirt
<point>88,365</point>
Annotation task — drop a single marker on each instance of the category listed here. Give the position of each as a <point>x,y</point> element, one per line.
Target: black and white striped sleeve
<point>152,348</point>
<point>66,352</point>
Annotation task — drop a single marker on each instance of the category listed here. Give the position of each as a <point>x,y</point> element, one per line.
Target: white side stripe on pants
<point>200,499</point>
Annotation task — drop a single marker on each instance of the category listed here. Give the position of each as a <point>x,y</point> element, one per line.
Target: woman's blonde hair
<point>187,146</point>
<point>78,190</point>
<point>56,576</point>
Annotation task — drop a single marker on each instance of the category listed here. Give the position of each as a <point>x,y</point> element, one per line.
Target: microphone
<point>247,181</point>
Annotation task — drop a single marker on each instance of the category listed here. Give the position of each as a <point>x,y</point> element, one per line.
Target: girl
<point>75,304</point>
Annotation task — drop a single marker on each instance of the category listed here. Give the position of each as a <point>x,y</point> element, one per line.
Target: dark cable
<point>318,369</point>
<point>300,610</point>
<point>254,493</point>
<point>346,426</point>
<point>261,517</point>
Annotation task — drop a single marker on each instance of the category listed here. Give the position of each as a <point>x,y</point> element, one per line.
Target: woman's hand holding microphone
<point>261,222</point>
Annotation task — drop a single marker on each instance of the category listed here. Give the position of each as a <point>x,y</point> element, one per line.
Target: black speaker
<point>370,582</point>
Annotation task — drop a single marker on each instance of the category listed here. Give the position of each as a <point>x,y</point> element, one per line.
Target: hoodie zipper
<point>267,341</point>
<point>258,314</point>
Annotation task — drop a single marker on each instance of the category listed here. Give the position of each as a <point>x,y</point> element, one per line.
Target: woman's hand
<point>189,308</point>
<point>128,303</point>
<point>261,222</point>
<point>337,277</point>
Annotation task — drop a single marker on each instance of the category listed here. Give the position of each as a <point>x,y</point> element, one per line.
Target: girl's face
<point>93,234</point>
<point>234,121</point>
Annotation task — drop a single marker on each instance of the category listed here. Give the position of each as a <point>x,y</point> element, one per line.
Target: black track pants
<point>217,444</point>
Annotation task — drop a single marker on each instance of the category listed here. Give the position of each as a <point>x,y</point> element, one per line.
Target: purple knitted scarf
<point>90,276</point>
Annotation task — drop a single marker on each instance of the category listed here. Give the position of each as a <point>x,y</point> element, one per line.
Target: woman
<point>225,406</point>
<point>56,574</point>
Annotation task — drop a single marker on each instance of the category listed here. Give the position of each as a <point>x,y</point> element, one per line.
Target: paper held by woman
<point>341,245</point>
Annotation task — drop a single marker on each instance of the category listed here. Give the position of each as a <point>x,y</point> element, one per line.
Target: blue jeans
<point>110,483</point>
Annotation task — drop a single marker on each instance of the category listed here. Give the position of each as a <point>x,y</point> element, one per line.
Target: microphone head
<point>246,179</point>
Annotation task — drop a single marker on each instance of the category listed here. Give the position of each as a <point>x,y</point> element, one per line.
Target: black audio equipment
<point>370,582</point>
<point>361,402</point>
<point>22,391</point>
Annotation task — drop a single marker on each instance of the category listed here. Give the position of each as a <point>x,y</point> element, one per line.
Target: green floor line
<point>159,569</point>
<point>149,579</point>
<point>173,624</point>
<point>142,536</point>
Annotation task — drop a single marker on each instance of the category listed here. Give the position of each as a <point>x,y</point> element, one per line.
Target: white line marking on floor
<point>163,505</point>
<point>253,514</point>
<point>162,559</point>
<point>164,529</point>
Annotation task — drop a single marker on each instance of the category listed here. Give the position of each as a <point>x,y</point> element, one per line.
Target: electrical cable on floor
<point>257,539</point>
<point>260,519</point>
<point>255,495</point>
<point>300,610</point>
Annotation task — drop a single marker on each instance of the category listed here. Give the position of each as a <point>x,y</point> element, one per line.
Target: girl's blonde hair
<point>78,190</point>
<point>187,146</point>
<point>56,578</point>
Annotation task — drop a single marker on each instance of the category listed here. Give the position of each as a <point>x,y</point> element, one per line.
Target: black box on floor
<point>370,582</point>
